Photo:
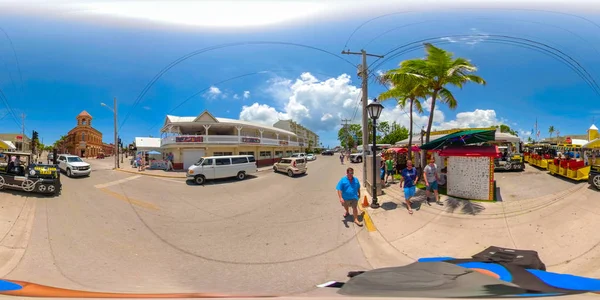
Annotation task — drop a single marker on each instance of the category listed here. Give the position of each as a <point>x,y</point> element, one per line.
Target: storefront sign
<point>491,196</point>
<point>189,139</point>
<point>158,164</point>
<point>284,143</point>
<point>568,140</point>
<point>250,140</point>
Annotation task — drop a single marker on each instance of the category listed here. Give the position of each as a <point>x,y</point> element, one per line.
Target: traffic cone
<point>365,202</point>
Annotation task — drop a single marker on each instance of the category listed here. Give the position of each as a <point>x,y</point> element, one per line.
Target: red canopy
<point>403,149</point>
<point>471,151</point>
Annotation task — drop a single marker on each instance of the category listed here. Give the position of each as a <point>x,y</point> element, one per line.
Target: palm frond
<point>447,97</point>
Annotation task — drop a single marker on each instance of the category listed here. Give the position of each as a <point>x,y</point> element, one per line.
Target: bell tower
<point>84,119</point>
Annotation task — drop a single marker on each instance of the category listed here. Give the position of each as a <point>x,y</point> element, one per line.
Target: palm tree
<point>551,131</point>
<point>61,143</point>
<point>407,92</point>
<point>440,69</point>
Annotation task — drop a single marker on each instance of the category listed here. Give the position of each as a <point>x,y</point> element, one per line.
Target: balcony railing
<point>226,140</point>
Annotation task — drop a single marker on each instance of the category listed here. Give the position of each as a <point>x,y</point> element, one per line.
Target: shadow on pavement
<point>350,219</point>
<point>467,207</point>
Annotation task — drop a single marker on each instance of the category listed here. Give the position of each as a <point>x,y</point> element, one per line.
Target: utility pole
<point>116,138</point>
<point>363,72</point>
<point>23,132</point>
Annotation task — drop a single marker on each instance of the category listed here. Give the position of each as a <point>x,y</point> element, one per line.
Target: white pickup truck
<point>358,156</point>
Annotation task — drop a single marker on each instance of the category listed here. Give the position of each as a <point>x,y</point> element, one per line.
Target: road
<point>122,232</point>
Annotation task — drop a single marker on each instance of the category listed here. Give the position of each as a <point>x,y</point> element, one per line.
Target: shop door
<point>191,156</point>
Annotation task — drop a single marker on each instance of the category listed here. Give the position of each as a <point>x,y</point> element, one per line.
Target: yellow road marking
<point>127,199</point>
<point>367,219</point>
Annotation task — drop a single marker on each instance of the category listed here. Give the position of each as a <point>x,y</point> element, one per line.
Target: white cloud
<point>146,107</point>
<point>213,93</point>
<point>321,105</point>
<point>318,105</point>
<point>261,113</point>
<point>246,94</point>
<point>472,39</point>
<point>236,96</point>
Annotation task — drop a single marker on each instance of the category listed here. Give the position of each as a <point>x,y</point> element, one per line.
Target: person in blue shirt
<point>348,190</point>
<point>410,177</point>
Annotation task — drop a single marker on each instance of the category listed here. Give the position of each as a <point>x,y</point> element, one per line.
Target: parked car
<point>292,166</point>
<point>299,155</point>
<point>73,165</point>
<point>27,176</point>
<point>214,167</point>
<point>100,156</point>
<point>327,152</point>
<point>311,157</point>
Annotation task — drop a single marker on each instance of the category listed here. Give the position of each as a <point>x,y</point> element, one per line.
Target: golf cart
<point>511,160</point>
<point>18,172</point>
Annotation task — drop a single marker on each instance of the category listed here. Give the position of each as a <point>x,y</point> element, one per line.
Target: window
<point>223,161</point>
<point>251,159</point>
<point>288,153</point>
<point>300,161</point>
<point>74,159</point>
<point>278,153</point>
<point>83,136</point>
<point>247,153</point>
<point>222,153</point>
<point>285,161</point>
<point>207,162</point>
<point>265,154</point>
<point>239,160</point>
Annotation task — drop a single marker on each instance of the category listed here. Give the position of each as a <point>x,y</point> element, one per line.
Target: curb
<point>170,176</point>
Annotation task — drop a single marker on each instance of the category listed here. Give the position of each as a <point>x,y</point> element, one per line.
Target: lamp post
<point>374,109</point>
<point>116,150</point>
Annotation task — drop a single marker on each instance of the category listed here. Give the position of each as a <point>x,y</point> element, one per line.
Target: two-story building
<point>84,140</point>
<point>190,138</point>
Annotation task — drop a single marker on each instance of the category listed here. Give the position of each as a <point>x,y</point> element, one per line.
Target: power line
<point>207,49</point>
<point>502,39</point>
<point>227,80</point>
<point>463,9</point>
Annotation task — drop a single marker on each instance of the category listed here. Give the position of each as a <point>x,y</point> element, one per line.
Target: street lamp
<point>374,109</point>
<point>114,110</point>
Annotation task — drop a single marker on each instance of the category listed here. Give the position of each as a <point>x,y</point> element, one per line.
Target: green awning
<point>464,137</point>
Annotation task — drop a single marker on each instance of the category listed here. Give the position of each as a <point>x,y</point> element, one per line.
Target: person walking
<point>348,190</point>
<point>389,163</point>
<point>431,181</point>
<point>410,178</point>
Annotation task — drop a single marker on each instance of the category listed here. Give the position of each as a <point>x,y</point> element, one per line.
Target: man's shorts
<point>390,172</point>
<point>351,203</point>
<point>410,192</point>
<point>433,186</point>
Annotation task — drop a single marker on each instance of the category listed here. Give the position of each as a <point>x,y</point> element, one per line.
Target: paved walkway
<point>556,223</point>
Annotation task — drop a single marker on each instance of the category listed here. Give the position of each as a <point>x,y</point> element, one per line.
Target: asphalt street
<point>122,232</point>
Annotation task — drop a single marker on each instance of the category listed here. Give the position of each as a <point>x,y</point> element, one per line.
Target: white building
<point>300,131</point>
<point>190,138</point>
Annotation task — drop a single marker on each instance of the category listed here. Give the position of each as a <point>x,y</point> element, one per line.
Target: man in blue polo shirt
<point>348,190</point>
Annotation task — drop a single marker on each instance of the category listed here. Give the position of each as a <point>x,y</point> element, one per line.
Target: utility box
<point>369,180</point>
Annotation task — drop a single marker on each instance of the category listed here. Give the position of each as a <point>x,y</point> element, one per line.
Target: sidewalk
<point>462,228</point>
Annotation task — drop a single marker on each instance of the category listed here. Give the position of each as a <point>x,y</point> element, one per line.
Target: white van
<point>214,167</point>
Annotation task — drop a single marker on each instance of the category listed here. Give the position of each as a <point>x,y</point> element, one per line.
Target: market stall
<point>470,171</point>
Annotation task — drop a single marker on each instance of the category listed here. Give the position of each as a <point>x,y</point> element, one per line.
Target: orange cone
<point>365,202</point>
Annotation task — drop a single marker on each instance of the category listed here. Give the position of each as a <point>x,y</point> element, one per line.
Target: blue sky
<point>71,62</point>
